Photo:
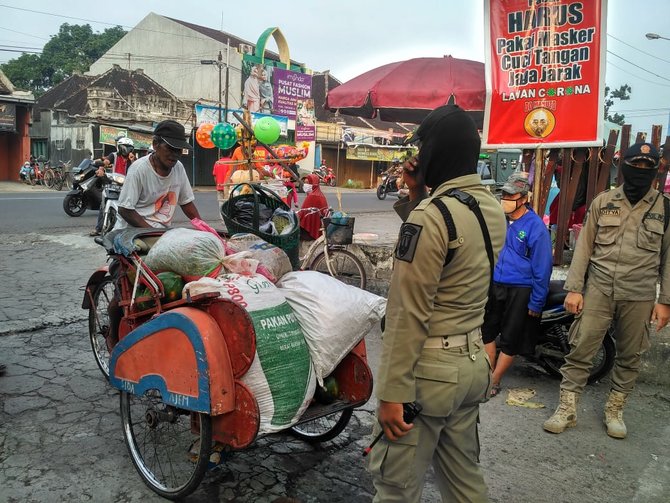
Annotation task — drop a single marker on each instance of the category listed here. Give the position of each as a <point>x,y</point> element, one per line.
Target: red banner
<point>545,71</point>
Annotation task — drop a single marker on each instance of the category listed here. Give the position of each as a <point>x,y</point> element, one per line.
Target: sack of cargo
<point>281,375</point>
<point>272,260</point>
<point>334,316</point>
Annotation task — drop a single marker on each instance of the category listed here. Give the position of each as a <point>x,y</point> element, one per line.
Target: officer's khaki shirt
<point>623,249</point>
<point>427,299</point>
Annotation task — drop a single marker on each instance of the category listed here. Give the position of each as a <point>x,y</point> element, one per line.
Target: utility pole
<point>227,79</point>
<point>220,65</point>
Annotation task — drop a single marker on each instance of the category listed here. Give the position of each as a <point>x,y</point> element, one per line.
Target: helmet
<point>125,145</point>
<point>396,160</point>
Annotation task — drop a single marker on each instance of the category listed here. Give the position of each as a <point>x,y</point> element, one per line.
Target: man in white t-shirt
<point>157,184</point>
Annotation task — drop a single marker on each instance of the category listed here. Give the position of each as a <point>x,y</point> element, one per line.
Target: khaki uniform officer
<point>432,349</point>
<point>616,265</point>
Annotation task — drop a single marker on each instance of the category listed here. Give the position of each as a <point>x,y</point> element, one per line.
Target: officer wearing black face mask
<point>620,254</point>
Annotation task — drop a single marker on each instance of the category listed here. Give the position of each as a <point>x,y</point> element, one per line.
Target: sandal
<point>495,390</point>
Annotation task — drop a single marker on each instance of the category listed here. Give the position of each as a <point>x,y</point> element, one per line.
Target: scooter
<point>552,344</point>
<point>387,186</point>
<point>86,190</point>
<point>110,198</point>
<point>326,176</point>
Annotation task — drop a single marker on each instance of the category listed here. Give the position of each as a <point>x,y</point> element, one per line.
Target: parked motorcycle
<point>552,344</point>
<point>388,185</point>
<point>86,190</point>
<point>110,198</point>
<point>326,175</point>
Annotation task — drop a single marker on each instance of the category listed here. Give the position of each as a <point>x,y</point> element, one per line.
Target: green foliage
<point>73,49</point>
<point>353,184</point>
<point>622,93</point>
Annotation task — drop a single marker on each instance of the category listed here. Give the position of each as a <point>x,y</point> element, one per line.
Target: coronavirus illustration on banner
<point>545,70</point>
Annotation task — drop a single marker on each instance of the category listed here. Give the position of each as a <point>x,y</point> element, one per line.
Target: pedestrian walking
<point>621,253</point>
<point>432,349</point>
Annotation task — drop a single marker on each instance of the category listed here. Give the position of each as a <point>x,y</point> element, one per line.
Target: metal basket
<point>340,231</point>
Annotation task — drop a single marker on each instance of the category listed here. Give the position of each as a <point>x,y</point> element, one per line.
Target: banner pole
<point>537,179</point>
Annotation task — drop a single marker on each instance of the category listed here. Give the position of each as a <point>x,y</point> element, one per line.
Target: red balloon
<point>203,135</point>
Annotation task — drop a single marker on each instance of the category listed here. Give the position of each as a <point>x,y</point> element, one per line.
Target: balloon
<point>223,135</point>
<point>203,135</point>
<point>267,130</point>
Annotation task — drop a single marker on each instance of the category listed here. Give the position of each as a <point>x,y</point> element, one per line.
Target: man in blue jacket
<point>520,281</point>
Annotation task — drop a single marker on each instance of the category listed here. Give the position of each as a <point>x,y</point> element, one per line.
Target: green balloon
<point>267,130</point>
<point>223,135</point>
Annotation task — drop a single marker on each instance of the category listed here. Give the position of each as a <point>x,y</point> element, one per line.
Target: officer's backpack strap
<point>473,204</point>
<point>451,227</point>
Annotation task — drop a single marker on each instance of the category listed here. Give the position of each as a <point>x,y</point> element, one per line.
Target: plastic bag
<point>273,261</point>
<point>334,317</point>
<point>187,252</point>
<point>240,263</point>
<point>243,213</point>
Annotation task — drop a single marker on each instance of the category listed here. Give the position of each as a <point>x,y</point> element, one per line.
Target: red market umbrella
<point>406,91</point>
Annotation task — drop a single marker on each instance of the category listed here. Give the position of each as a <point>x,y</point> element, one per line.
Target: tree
<point>622,93</point>
<point>72,50</point>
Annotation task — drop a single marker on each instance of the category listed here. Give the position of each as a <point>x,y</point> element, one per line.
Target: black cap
<point>172,133</point>
<point>645,151</point>
<point>431,120</point>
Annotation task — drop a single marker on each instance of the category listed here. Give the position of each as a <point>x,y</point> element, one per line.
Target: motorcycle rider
<point>394,178</point>
<point>520,281</point>
<point>120,161</point>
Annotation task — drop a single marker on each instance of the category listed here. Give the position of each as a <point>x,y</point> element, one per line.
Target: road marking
<point>28,198</point>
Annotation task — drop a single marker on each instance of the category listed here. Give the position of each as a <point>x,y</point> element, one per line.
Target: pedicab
<point>179,366</point>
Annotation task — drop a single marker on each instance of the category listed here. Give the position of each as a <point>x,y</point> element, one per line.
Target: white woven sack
<point>334,317</point>
<point>281,376</point>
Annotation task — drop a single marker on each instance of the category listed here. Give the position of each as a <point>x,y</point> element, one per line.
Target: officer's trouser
<point>450,384</point>
<point>589,329</point>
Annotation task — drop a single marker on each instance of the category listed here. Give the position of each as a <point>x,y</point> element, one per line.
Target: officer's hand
<point>413,178</point>
<point>660,315</point>
<point>390,419</point>
<point>534,314</point>
<point>574,302</point>
<point>100,171</point>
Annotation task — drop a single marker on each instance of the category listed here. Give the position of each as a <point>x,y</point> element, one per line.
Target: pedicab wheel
<point>323,428</point>
<point>49,179</point>
<point>169,447</point>
<point>345,267</point>
<point>98,323</point>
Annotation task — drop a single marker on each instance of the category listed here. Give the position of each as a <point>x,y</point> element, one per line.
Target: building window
<point>80,144</point>
<point>58,144</point>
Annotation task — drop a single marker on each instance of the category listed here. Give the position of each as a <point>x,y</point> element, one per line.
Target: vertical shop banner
<point>8,117</point>
<point>545,73</point>
<point>289,87</point>
<point>305,121</point>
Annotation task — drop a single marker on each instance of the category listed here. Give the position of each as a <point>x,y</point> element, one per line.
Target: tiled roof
<point>63,91</point>
<point>129,83</point>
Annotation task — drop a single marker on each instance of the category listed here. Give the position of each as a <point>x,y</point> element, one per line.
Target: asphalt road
<point>39,211</point>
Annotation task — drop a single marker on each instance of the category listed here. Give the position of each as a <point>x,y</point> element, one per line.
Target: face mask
<point>510,206</point>
<point>308,188</point>
<point>636,181</point>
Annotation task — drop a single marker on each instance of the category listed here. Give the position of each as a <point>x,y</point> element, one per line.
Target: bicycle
<point>329,253</point>
<point>55,178</point>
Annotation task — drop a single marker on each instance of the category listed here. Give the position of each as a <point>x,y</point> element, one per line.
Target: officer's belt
<point>453,341</point>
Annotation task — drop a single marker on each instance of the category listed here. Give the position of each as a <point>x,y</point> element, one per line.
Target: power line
<point>640,50</point>
<point>637,76</point>
<point>637,66</point>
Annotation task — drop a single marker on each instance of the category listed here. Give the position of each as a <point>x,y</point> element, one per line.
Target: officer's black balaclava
<point>636,181</point>
<point>449,145</point>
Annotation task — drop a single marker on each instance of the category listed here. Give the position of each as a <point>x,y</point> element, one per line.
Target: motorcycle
<point>388,185</point>
<point>86,190</point>
<point>110,198</point>
<point>326,176</point>
<point>552,344</point>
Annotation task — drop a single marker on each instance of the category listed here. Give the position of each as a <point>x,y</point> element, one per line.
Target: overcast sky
<point>350,37</point>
